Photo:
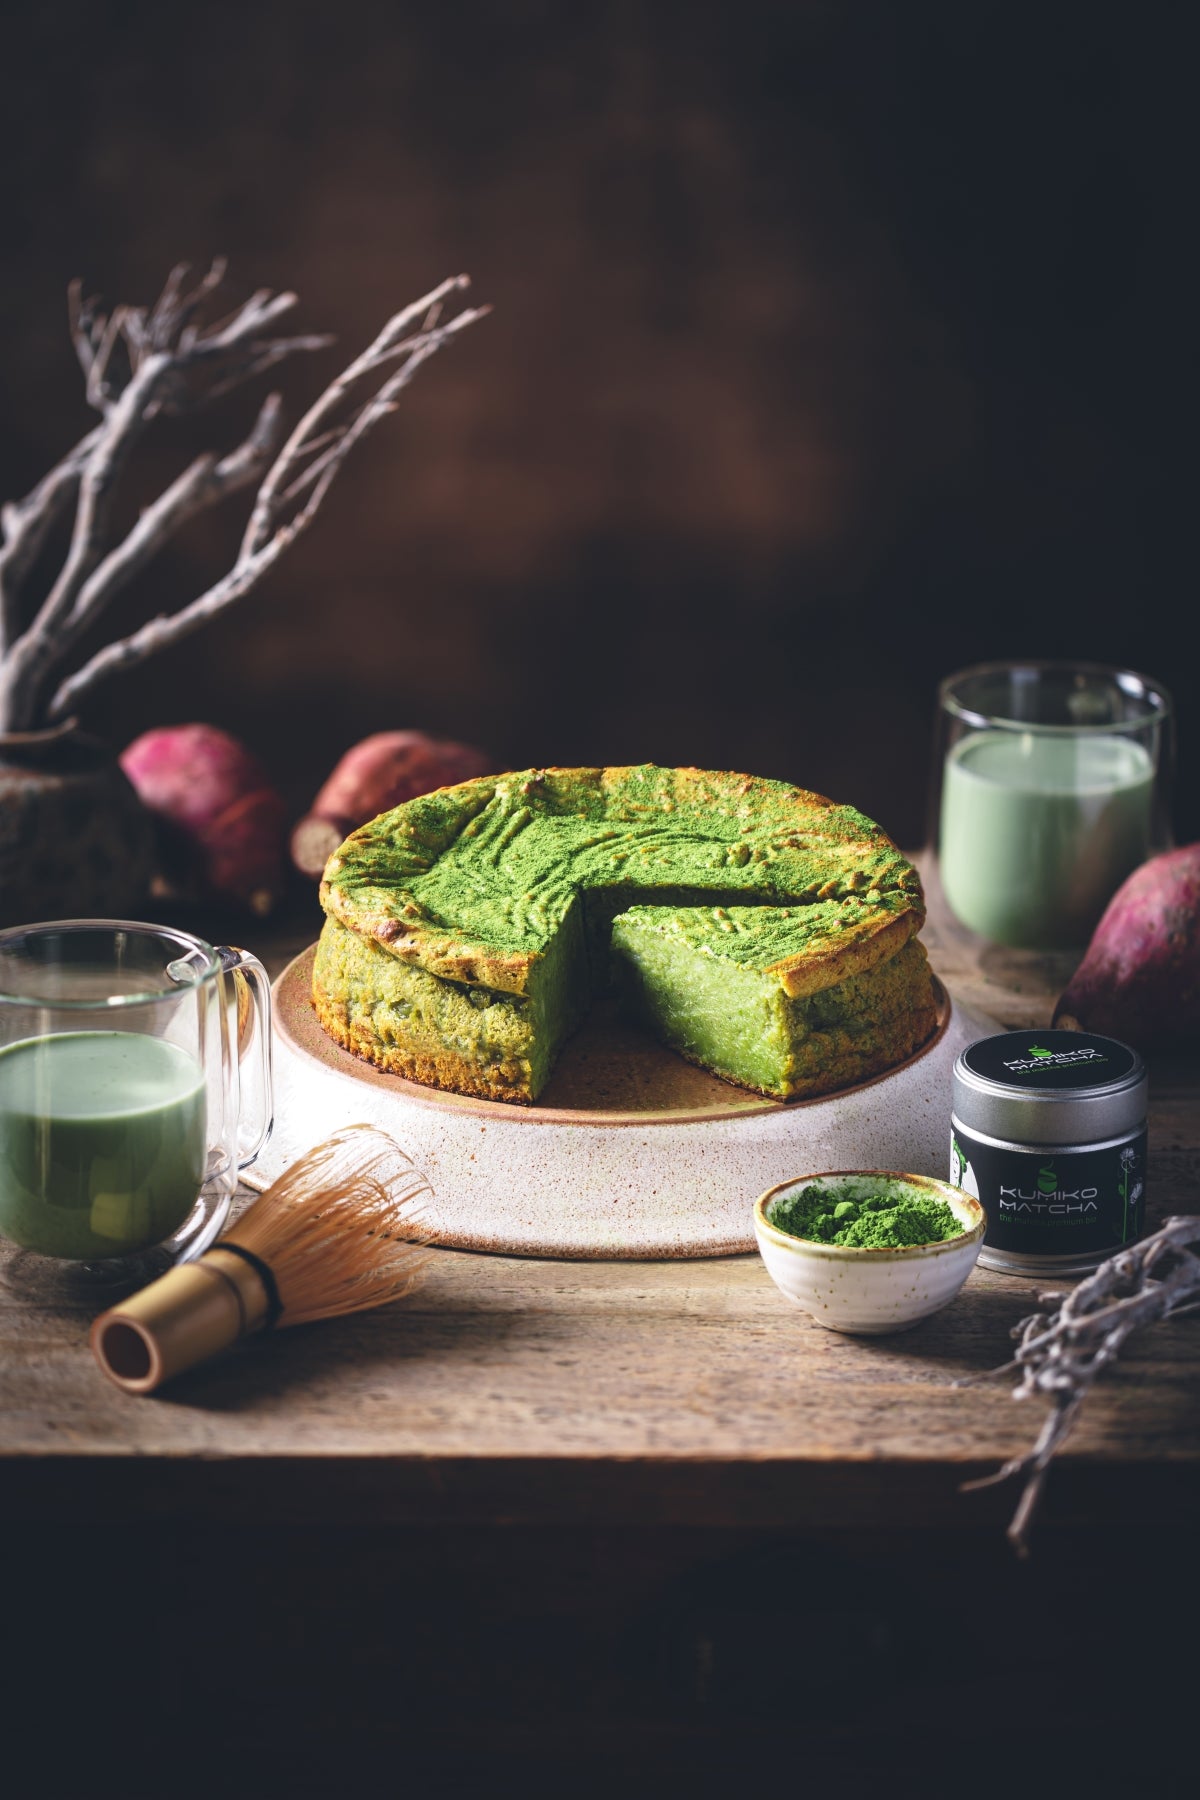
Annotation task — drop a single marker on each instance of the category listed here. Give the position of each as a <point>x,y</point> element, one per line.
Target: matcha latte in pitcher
<point>125,1050</point>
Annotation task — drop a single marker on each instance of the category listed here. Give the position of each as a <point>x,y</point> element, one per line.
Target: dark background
<point>834,347</point>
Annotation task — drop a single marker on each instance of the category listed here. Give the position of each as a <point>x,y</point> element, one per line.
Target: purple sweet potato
<point>1140,978</point>
<point>222,823</point>
<point>372,777</point>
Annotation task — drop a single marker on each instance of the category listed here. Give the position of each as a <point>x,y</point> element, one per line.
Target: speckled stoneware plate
<point>631,1152</point>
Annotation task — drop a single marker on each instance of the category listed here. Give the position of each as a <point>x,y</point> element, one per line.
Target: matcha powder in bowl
<point>882,1220</point>
<point>868,1250</point>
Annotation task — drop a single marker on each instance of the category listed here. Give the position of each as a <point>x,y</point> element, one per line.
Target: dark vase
<point>75,841</point>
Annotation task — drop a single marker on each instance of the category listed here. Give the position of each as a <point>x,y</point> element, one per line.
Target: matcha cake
<point>760,930</point>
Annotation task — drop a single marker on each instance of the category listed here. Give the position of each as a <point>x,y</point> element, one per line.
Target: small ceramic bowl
<point>870,1291</point>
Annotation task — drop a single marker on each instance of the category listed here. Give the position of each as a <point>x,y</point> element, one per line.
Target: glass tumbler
<point>135,1082</point>
<point>1050,786</point>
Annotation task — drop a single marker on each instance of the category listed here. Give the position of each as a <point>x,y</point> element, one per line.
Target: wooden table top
<point>524,1391</point>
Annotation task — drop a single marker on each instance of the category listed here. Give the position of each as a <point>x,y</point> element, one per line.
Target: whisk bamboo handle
<point>194,1311</point>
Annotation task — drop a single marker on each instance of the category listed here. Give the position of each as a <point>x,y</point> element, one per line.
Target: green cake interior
<point>697,979</point>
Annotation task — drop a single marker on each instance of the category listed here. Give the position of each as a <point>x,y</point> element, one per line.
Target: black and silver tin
<point>1048,1131</point>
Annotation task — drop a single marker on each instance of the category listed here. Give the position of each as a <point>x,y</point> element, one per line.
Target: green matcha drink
<point>1038,830</point>
<point>102,1141</point>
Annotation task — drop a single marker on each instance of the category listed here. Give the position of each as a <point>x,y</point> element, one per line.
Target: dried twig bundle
<point>140,363</point>
<point>1062,1351</point>
<point>344,1229</point>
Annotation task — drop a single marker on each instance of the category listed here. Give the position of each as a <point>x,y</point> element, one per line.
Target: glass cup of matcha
<point>135,1082</point>
<point>1050,786</point>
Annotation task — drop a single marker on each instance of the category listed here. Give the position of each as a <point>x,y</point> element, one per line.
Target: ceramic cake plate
<point>630,1152</point>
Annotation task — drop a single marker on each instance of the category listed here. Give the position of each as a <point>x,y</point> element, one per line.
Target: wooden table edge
<point>464,1491</point>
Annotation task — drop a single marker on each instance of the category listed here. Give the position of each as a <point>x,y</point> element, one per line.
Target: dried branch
<point>26,523</point>
<point>136,364</point>
<point>1062,1352</point>
<point>276,522</point>
<point>205,482</point>
<point>311,429</point>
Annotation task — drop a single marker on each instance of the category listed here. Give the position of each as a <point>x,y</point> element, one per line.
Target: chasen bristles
<point>343,1229</point>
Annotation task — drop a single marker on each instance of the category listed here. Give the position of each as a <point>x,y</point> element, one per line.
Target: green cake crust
<point>469,930</point>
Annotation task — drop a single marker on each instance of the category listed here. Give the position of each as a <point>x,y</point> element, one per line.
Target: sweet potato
<point>372,777</point>
<point>221,822</point>
<point>1140,977</point>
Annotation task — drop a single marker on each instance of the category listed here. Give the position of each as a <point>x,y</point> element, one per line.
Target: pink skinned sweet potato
<point>373,776</point>
<point>222,824</point>
<point>1140,977</point>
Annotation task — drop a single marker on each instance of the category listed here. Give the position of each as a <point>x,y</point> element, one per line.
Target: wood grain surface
<point>557,1390</point>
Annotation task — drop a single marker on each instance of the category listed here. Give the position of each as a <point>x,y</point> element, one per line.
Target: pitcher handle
<point>252,992</point>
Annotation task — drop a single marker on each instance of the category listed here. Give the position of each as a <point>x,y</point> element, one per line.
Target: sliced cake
<point>760,929</point>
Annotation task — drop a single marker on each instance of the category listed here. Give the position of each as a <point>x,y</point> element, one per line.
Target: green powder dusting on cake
<point>859,1218</point>
<point>758,929</point>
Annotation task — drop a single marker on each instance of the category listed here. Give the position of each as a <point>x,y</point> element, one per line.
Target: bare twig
<point>86,323</point>
<point>1062,1351</point>
<point>389,343</point>
<point>275,523</point>
<point>26,523</point>
<point>136,364</point>
<point>205,482</point>
<point>140,362</point>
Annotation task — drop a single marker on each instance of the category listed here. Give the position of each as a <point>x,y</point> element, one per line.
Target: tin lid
<point>1050,1087</point>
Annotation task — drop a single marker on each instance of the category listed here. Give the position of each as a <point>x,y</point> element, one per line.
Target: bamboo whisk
<point>342,1230</point>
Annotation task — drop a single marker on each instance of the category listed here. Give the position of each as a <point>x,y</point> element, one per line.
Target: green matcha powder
<point>880,1221</point>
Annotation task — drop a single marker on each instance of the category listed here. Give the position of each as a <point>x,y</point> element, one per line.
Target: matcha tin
<point>1048,1131</point>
